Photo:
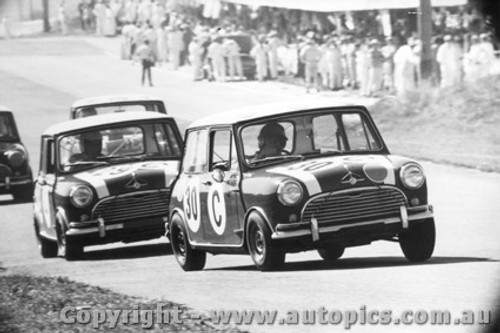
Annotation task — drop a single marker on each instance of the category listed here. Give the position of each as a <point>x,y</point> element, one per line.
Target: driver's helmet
<point>272,134</point>
<point>91,142</point>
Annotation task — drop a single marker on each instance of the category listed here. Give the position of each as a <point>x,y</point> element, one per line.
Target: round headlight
<point>16,156</point>
<point>290,192</point>
<point>81,196</point>
<point>412,176</point>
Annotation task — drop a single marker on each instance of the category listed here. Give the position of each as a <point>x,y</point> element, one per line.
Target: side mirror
<point>218,175</point>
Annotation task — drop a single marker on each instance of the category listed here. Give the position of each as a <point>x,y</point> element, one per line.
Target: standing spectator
<point>145,11</point>
<point>175,46</point>
<point>6,27</point>
<point>259,53</point>
<point>196,54</point>
<point>273,45</point>
<point>405,63</point>
<point>388,51</point>
<point>449,58</point>
<point>232,50</point>
<point>62,18</point>
<point>109,22</point>
<point>348,48</point>
<point>146,56</point>
<point>157,15</point>
<point>162,44</point>
<point>472,60</point>
<point>126,40</point>
<point>333,63</point>
<point>84,14</point>
<point>487,55</point>
<point>187,36</point>
<point>100,16</point>
<point>363,67</point>
<point>310,56</point>
<point>216,56</point>
<point>376,70</point>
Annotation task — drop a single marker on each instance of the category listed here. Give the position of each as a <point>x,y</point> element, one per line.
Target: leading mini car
<point>285,178</point>
<point>15,171</point>
<point>104,179</point>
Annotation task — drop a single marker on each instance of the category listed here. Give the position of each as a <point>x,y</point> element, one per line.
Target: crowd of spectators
<point>349,53</point>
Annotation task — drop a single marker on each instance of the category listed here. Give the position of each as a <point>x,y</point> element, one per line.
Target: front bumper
<point>98,232</point>
<point>7,183</point>
<point>315,232</point>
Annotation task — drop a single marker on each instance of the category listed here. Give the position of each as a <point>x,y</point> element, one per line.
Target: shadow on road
<point>361,263</point>
<point>129,252</point>
<point>9,201</point>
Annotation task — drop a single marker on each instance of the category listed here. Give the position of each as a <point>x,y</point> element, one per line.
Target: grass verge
<point>34,304</point>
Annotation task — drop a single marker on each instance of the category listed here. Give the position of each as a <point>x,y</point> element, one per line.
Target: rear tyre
<point>66,247</point>
<point>265,255</point>
<point>331,253</point>
<point>23,193</point>
<point>48,249</point>
<point>188,258</point>
<point>418,242</point>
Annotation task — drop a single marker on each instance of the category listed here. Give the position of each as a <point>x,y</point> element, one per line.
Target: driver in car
<point>271,140</point>
<point>90,147</point>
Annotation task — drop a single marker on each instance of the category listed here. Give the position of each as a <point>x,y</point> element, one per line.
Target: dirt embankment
<point>459,125</point>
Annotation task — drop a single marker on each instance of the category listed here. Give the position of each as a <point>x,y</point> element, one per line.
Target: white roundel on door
<point>216,207</point>
<point>191,204</point>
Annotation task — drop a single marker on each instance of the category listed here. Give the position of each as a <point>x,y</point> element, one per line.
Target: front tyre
<point>418,242</point>
<point>188,258</point>
<point>47,248</point>
<point>331,253</point>
<point>265,255</point>
<point>66,247</point>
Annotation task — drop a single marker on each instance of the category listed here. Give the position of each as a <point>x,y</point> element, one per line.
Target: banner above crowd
<point>343,6</point>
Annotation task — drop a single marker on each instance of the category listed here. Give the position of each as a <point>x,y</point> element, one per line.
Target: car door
<point>194,169</point>
<point>221,204</point>
<point>44,189</point>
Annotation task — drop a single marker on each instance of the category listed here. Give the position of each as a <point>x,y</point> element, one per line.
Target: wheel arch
<point>251,211</point>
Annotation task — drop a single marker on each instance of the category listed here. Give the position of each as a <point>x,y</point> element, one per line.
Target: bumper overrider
<point>381,211</point>
<point>127,218</point>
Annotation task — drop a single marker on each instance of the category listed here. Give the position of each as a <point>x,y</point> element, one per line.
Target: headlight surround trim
<point>290,192</point>
<point>412,176</point>
<point>81,196</point>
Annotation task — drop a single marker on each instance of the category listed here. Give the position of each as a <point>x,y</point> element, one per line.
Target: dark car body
<point>115,103</point>
<point>121,195</point>
<point>15,171</point>
<point>245,42</point>
<point>317,195</point>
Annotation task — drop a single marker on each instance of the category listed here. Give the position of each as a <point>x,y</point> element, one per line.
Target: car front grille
<point>354,206</point>
<point>133,206</point>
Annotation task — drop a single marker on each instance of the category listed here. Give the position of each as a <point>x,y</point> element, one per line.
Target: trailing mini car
<point>97,105</point>
<point>15,171</point>
<point>281,178</point>
<point>104,179</point>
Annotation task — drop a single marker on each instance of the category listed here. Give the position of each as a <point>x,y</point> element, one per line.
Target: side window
<point>195,153</point>
<point>167,140</point>
<point>358,133</point>
<point>220,152</point>
<point>325,133</point>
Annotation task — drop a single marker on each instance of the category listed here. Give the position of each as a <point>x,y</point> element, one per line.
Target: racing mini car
<point>15,171</point>
<point>282,178</point>
<point>92,106</point>
<point>104,179</point>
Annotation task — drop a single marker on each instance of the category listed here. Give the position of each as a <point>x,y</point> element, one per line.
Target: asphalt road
<point>40,78</point>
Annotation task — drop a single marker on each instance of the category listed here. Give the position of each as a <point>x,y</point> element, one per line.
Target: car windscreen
<point>7,128</point>
<point>308,135</point>
<point>113,108</point>
<point>91,148</point>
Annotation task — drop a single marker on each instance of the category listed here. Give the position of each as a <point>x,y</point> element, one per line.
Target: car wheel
<point>67,248</point>
<point>418,242</point>
<point>48,249</point>
<point>331,253</point>
<point>23,193</point>
<point>188,258</point>
<point>265,255</point>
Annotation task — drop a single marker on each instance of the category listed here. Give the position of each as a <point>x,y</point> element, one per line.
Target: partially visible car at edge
<point>15,171</point>
<point>104,179</point>
<point>96,105</point>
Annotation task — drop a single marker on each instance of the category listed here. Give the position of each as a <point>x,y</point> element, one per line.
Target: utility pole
<point>46,21</point>
<point>425,31</point>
